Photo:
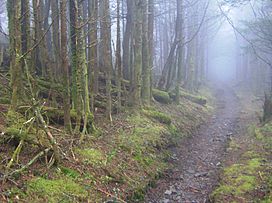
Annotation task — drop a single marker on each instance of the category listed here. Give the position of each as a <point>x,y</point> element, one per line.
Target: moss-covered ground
<point>119,162</point>
<point>247,174</point>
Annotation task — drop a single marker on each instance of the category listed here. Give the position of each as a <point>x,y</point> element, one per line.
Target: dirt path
<point>198,159</point>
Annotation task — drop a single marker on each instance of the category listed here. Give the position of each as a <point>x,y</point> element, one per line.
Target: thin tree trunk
<point>64,65</point>
<point>118,64</point>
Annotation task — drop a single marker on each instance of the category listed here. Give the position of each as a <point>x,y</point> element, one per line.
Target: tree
<point>146,90</point>
<point>13,8</point>
<point>64,65</point>
<point>106,52</point>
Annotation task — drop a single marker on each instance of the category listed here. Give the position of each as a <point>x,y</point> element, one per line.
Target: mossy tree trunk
<point>13,8</point>
<point>76,70</point>
<point>137,65</point>
<point>64,65</point>
<point>82,65</point>
<point>92,49</point>
<point>146,94</point>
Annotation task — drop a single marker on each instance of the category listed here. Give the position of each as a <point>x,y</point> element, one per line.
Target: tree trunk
<point>137,68</point>
<point>106,50</point>
<point>13,8</point>
<point>64,65</point>
<point>118,63</point>
<point>56,44</point>
<point>127,41</point>
<point>146,94</point>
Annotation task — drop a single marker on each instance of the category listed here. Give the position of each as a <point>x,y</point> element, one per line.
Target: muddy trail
<point>197,160</point>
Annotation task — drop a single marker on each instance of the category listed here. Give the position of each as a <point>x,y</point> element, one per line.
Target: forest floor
<point>117,163</point>
<point>201,160</point>
<point>174,153</point>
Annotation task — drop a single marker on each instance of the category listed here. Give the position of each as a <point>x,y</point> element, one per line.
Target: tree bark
<point>64,65</point>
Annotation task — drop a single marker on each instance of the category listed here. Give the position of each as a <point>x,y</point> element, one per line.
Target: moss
<point>18,128</point>
<point>237,186</point>
<point>4,100</point>
<point>138,195</point>
<point>17,133</point>
<point>233,145</point>
<point>238,180</point>
<point>245,184</point>
<point>191,97</point>
<point>222,190</point>
<point>159,116</point>
<point>69,172</point>
<point>92,156</point>
<point>251,155</point>
<point>264,134</point>
<point>46,85</point>
<point>145,136</point>
<point>57,115</point>
<point>174,131</point>
<point>161,96</point>
<point>145,161</point>
<point>59,190</point>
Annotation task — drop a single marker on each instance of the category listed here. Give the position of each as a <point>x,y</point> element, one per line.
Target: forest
<point>155,101</point>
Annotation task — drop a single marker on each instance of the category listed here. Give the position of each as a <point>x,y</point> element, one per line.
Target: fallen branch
<point>20,170</point>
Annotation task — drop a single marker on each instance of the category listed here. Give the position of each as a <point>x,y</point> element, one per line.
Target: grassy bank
<point>246,176</point>
<point>118,162</point>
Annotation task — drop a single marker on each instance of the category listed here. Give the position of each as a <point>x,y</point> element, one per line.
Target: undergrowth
<point>118,164</point>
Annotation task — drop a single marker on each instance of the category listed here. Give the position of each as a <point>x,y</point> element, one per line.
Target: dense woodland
<point>119,50</point>
<point>86,54</point>
<point>76,63</point>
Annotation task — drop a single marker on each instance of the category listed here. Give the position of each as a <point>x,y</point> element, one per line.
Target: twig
<point>110,195</point>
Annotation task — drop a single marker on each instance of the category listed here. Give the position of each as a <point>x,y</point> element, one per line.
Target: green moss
<point>69,172</point>
<point>161,96</point>
<point>237,186</point>
<point>251,155</point>
<point>194,98</point>
<point>145,161</point>
<point>57,115</point>
<point>17,133</point>
<point>59,190</point>
<point>233,145</point>
<point>222,190</point>
<point>4,100</point>
<point>145,136</point>
<point>18,128</point>
<point>174,131</point>
<point>245,184</point>
<point>159,116</point>
<point>92,156</point>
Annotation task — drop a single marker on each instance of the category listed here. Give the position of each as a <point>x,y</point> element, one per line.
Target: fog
<point>222,60</point>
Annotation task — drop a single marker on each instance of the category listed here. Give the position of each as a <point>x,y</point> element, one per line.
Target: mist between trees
<point>117,54</point>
